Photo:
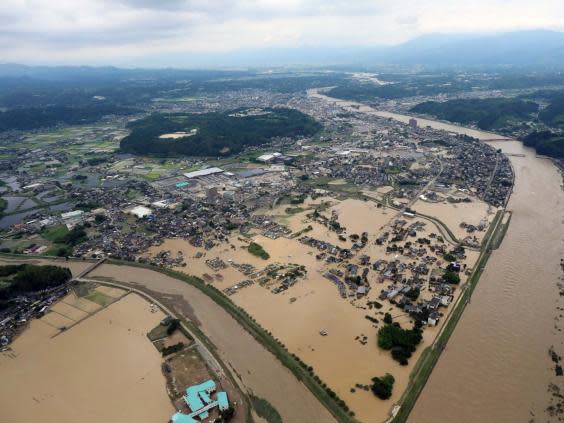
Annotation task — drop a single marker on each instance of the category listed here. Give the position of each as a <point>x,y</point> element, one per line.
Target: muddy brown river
<point>496,367</point>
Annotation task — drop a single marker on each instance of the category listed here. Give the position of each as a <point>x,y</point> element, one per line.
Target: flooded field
<point>496,366</point>
<point>453,214</point>
<point>103,369</point>
<point>258,369</point>
<point>297,316</point>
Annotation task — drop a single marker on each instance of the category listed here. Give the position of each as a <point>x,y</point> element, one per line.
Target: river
<point>496,366</point>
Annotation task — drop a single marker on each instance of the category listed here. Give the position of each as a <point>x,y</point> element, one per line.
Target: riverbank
<point>264,368</point>
<point>517,299</point>
<point>430,356</point>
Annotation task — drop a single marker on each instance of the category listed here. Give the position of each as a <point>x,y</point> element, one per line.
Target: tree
<point>451,277</point>
<point>449,257</point>
<point>413,294</point>
<point>401,354</point>
<point>99,218</point>
<point>388,318</point>
<point>382,386</point>
<point>402,342</point>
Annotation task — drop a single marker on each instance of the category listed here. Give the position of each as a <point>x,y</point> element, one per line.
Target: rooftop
<point>203,172</point>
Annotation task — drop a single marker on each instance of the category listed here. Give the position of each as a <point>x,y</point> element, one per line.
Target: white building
<point>141,211</point>
<point>203,172</point>
<point>267,158</point>
<point>72,214</point>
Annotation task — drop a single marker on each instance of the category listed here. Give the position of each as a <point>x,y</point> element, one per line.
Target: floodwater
<point>104,369</point>
<point>453,214</point>
<point>296,316</point>
<point>258,369</point>
<point>449,127</point>
<point>496,366</point>
<point>14,219</point>
<point>13,203</point>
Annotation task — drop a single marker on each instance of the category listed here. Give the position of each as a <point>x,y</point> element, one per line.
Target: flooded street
<point>496,366</point>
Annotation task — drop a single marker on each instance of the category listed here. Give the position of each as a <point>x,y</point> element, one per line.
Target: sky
<point>133,32</point>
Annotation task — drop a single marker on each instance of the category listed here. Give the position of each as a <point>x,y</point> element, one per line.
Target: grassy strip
<point>299,369</point>
<point>500,234</point>
<point>430,355</point>
<point>265,410</point>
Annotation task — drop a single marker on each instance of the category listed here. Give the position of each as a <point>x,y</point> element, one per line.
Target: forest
<point>20,279</point>
<point>486,113</point>
<point>218,133</point>
<point>546,143</point>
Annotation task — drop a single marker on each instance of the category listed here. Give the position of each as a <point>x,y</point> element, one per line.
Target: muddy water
<point>259,370</point>
<point>496,367</point>
<point>104,369</point>
<point>297,315</point>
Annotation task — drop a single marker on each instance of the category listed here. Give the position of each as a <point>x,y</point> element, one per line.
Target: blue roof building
<point>198,398</point>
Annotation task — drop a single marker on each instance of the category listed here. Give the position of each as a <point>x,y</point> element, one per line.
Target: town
<point>388,216</point>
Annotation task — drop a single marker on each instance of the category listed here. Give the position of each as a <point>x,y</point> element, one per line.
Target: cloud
<point>108,31</point>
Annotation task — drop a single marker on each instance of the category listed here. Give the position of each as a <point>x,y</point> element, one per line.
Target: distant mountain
<point>521,48</point>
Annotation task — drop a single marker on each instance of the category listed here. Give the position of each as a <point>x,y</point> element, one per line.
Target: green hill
<point>215,134</point>
<point>553,115</point>
<point>546,143</point>
<point>486,113</point>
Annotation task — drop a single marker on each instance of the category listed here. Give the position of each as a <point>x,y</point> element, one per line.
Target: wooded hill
<point>218,133</point>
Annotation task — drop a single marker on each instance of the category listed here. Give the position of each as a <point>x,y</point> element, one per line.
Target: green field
<point>99,298</point>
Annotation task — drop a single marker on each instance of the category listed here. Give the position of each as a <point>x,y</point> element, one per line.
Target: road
<point>206,354</point>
